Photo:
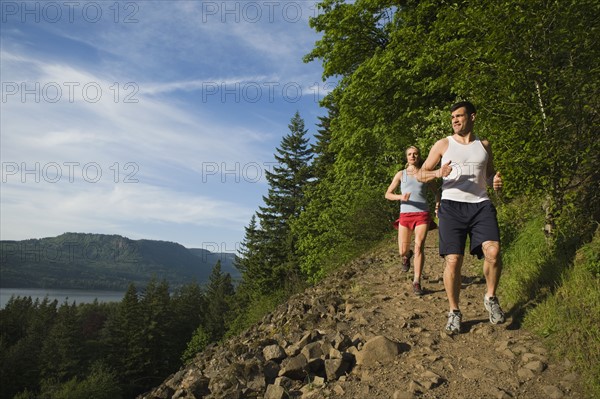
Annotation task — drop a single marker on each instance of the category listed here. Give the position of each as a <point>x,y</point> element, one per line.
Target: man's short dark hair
<point>470,107</point>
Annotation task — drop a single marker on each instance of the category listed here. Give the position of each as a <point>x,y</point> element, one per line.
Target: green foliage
<point>269,259</point>
<point>254,308</point>
<point>24,326</point>
<point>351,34</point>
<point>99,384</point>
<point>533,78</point>
<point>555,289</point>
<point>572,315</point>
<point>92,350</point>
<point>61,350</point>
<point>199,341</point>
<point>218,297</point>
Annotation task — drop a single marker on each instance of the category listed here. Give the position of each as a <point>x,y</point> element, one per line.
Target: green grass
<point>523,264</point>
<point>555,292</point>
<point>569,319</point>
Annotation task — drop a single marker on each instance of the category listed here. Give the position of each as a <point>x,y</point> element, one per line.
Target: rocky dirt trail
<point>484,361</point>
<point>362,334</point>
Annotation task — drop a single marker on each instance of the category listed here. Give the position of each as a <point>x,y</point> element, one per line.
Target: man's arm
<point>493,178</point>
<point>427,172</point>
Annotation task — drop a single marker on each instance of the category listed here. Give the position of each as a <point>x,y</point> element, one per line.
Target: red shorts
<point>411,220</point>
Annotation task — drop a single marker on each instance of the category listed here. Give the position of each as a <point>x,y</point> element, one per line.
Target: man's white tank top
<point>467,182</point>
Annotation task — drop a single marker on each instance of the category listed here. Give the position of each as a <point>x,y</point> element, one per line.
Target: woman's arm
<point>389,194</point>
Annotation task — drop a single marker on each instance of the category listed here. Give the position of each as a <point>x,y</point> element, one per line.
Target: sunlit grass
<point>523,264</point>
<point>569,320</point>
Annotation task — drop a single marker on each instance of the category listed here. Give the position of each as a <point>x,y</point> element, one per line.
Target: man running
<point>466,169</point>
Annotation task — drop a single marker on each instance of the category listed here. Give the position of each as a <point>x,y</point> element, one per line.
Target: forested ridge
<point>104,262</point>
<point>531,69</point>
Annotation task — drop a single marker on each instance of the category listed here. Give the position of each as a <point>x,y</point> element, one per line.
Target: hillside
<point>361,333</point>
<point>98,261</point>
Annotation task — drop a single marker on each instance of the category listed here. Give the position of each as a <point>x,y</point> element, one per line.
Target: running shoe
<point>406,261</point>
<point>493,307</point>
<point>417,290</point>
<point>453,325</point>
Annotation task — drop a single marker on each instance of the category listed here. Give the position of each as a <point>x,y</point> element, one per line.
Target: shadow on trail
<point>517,315</point>
<point>468,324</point>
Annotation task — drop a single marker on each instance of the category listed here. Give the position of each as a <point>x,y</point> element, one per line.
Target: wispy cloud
<point>158,99</point>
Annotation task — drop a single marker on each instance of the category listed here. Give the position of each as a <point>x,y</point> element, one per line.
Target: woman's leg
<point>420,236</point>
<point>404,237</point>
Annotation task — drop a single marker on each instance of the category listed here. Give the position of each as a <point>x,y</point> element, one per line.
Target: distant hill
<point>99,261</point>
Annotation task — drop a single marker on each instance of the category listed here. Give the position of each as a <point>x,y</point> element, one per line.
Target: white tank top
<point>467,182</point>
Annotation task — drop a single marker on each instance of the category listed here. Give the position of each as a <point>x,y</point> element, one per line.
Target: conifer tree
<point>218,293</point>
<point>275,245</point>
<point>158,319</point>
<point>61,351</point>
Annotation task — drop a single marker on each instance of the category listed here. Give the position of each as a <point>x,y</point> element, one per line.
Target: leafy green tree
<point>351,34</point>
<point>100,383</point>
<point>533,79</point>
<point>199,341</point>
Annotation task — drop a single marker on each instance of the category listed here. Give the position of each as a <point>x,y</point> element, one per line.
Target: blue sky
<point>149,119</point>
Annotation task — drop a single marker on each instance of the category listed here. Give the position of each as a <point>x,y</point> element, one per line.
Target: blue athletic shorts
<point>459,219</point>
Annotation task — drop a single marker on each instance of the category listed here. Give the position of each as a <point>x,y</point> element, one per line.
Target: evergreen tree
<point>20,355</point>
<point>249,248</point>
<point>275,244</point>
<point>127,349</point>
<point>158,320</point>
<point>62,349</point>
<point>188,306</point>
<point>218,293</point>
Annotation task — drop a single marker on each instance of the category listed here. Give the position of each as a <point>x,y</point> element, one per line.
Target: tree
<point>188,306</point>
<point>274,263</point>
<point>127,349</point>
<point>160,357</point>
<point>25,325</point>
<point>534,80</point>
<point>62,349</point>
<point>218,293</point>
<point>200,339</point>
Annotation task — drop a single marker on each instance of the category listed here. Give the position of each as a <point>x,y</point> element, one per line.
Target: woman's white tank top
<point>467,182</point>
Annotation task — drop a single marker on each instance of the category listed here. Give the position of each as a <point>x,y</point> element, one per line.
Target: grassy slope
<point>558,297</point>
<point>569,318</point>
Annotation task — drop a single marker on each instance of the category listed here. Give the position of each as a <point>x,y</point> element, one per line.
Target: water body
<point>78,296</point>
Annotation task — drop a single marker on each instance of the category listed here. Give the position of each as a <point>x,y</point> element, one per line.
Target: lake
<point>79,296</point>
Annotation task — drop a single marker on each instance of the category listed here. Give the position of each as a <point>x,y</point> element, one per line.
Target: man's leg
<point>452,279</point>
<point>492,266</point>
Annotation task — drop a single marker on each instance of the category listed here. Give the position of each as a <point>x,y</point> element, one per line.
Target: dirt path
<point>371,298</point>
<point>484,361</point>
